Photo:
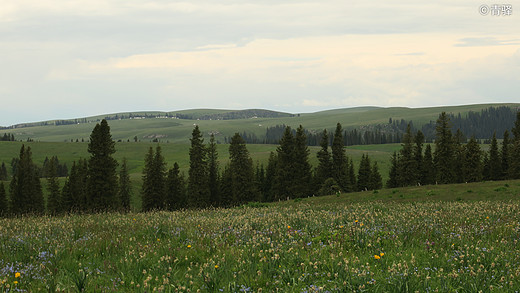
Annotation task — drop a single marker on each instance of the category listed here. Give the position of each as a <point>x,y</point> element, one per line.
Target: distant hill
<point>176,126</point>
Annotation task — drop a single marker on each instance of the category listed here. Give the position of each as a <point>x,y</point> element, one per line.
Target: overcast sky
<point>76,58</point>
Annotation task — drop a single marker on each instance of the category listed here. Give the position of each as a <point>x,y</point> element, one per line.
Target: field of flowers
<point>428,246</point>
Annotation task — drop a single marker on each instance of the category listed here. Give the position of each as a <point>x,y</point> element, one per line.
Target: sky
<point>77,58</point>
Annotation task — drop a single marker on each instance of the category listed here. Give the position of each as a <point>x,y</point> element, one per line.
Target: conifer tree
<point>473,161</point>
<point>514,169</point>
<point>124,186</point>
<point>260,180</point>
<point>495,166</point>
<point>198,181</point>
<point>213,172</point>
<point>505,156</point>
<point>25,187</point>
<point>302,173</point>
<point>364,173</point>
<point>351,174</point>
<point>340,168</point>
<point>270,175</point>
<point>418,154</point>
<point>154,180</point>
<point>459,159</point>
<point>3,172</point>
<point>74,192</point>
<point>393,180</point>
<point>444,150</point>
<point>284,177</point>
<point>176,195</point>
<point>376,182</point>
<point>407,168</point>
<point>324,169</point>
<point>102,174</point>
<point>243,185</point>
<point>226,192</point>
<point>54,197</point>
<point>3,201</point>
<point>428,167</point>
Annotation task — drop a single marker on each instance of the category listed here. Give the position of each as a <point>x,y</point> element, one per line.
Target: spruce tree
<point>364,173</point>
<point>25,187</point>
<point>428,167</point>
<point>270,175</point>
<point>102,174</point>
<point>472,166</point>
<point>154,180</point>
<point>176,195</point>
<point>351,174</point>
<point>3,201</point>
<point>514,169</point>
<point>3,172</point>
<point>376,182</point>
<point>418,155</point>
<point>124,186</point>
<point>213,172</point>
<point>340,168</point>
<point>324,169</point>
<point>459,159</point>
<point>407,168</point>
<point>505,156</point>
<point>495,165</point>
<point>444,150</point>
<point>243,185</point>
<point>198,181</point>
<point>54,197</point>
<point>226,192</point>
<point>284,177</point>
<point>393,176</point>
<point>302,168</point>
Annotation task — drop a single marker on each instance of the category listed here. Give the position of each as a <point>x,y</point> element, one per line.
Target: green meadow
<point>445,238</point>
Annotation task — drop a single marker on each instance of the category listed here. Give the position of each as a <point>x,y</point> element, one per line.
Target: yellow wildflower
<point>216,266</point>
<point>377,256</point>
<point>381,254</point>
<point>17,275</point>
<point>189,246</point>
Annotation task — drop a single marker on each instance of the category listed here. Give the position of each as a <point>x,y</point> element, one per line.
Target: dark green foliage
<point>270,175</point>
<point>351,174</point>
<point>505,156</point>
<point>324,169</point>
<point>459,159</point>
<point>428,168</point>
<point>364,174</point>
<point>407,167</point>
<point>102,174</point>
<point>340,168</point>
<point>243,185</point>
<point>74,192</point>
<point>393,180</point>
<point>3,172</point>
<point>3,201</point>
<point>198,181</point>
<point>514,169</point>
<point>154,180</point>
<point>284,179</point>
<point>54,199</point>
<point>226,191</point>
<point>261,181</point>
<point>25,188</point>
<point>329,187</point>
<point>494,166</point>
<point>176,189</point>
<point>418,155</point>
<point>444,150</point>
<point>376,182</point>
<point>472,166</point>
<point>124,186</point>
<point>302,168</point>
<point>213,172</point>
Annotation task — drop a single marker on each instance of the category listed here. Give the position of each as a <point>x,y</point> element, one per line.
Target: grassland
<point>451,238</point>
<point>179,130</point>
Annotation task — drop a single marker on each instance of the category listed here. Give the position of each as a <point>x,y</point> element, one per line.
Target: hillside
<point>177,126</point>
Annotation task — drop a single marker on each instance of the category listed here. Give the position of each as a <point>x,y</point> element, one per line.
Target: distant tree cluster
<point>7,137</point>
<point>453,160</point>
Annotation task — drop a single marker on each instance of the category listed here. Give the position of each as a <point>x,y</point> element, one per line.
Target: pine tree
<point>102,177</point>
<point>364,173</point>
<point>54,197</point>
<point>25,187</point>
<point>514,169</point>
<point>472,166</point>
<point>418,155</point>
<point>495,167</point>
<point>302,168</point>
<point>393,180</point>
<point>324,169</point>
<point>3,172</point>
<point>270,175</point>
<point>226,192</point>
<point>351,174</point>
<point>444,150</point>
<point>340,168</point>
<point>124,186</point>
<point>243,185</point>
<point>407,168</point>
<point>428,168</point>
<point>284,177</point>
<point>213,172</point>
<point>198,181</point>
<point>3,201</point>
<point>376,182</point>
<point>459,151</point>
<point>154,180</point>
<point>505,156</point>
<point>176,195</point>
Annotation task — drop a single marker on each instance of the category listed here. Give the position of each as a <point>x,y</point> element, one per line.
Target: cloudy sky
<point>75,58</point>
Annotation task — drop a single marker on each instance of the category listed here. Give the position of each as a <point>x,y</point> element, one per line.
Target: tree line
<point>454,160</point>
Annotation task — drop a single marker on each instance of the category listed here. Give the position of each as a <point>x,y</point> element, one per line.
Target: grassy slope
<point>177,130</point>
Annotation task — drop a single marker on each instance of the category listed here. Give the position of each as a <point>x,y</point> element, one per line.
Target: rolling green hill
<point>176,130</point>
